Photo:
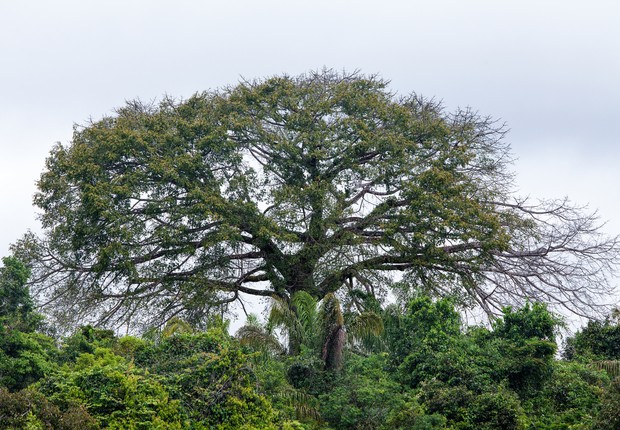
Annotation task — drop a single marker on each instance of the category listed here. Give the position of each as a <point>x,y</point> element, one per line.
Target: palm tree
<point>318,327</point>
<point>333,332</point>
<point>176,325</point>
<point>298,319</point>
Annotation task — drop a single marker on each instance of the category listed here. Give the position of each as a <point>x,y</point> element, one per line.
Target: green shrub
<point>213,379</point>
<point>86,339</point>
<point>609,415</point>
<point>362,396</point>
<point>115,392</point>
<point>598,340</point>
<point>24,357</point>
<point>499,409</point>
<point>29,409</point>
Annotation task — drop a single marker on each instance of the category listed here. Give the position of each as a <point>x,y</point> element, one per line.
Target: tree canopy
<point>325,182</point>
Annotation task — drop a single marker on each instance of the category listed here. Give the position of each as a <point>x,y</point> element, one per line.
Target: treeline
<point>414,366</point>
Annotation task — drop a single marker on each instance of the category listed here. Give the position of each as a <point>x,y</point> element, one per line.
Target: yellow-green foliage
<point>114,391</point>
<point>212,378</point>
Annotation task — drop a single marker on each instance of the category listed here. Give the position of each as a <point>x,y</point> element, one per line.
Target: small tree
<point>16,304</point>
<point>609,415</point>
<point>598,340</point>
<point>25,356</point>
<point>526,338</point>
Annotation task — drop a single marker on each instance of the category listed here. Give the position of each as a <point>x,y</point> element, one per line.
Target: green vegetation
<point>309,192</point>
<point>428,371</point>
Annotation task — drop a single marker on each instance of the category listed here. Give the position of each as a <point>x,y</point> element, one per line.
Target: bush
<point>29,409</point>
<point>526,338</point>
<point>85,340</point>
<point>116,393</point>
<point>212,378</point>
<point>598,340</point>
<point>363,396</point>
<point>24,357</point>
<point>466,410</point>
<point>500,410</point>
<point>609,415</point>
<point>570,399</point>
<point>410,416</point>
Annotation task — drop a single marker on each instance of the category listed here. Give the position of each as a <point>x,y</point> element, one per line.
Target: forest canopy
<point>320,183</point>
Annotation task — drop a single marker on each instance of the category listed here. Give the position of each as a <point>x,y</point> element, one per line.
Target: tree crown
<point>322,183</point>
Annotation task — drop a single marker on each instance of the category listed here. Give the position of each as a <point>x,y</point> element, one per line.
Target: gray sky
<point>549,69</point>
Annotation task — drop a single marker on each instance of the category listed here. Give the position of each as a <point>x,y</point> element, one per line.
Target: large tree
<point>320,183</point>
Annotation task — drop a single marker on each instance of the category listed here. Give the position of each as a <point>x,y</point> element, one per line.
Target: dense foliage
<point>424,370</point>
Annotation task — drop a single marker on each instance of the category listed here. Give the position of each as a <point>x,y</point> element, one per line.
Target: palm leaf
<point>366,329</point>
<point>259,339</point>
<point>305,310</point>
<point>612,367</point>
<point>175,326</point>
<point>305,405</point>
<point>297,318</point>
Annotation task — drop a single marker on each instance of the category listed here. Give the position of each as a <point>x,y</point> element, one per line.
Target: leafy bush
<point>499,409</point>
<point>115,392</point>
<point>24,357</point>
<point>609,416</point>
<point>415,339</point>
<point>362,396</point>
<point>16,304</point>
<point>570,399</point>
<point>409,415</point>
<point>29,409</point>
<point>526,338</point>
<point>212,377</point>
<point>86,339</point>
<point>598,340</point>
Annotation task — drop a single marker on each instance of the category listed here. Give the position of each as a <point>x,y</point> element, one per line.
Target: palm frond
<point>612,367</point>
<point>257,338</point>
<point>282,315</point>
<point>305,405</point>
<point>365,331</point>
<point>332,324</point>
<point>365,324</point>
<point>305,310</point>
<point>176,325</point>
<point>298,319</point>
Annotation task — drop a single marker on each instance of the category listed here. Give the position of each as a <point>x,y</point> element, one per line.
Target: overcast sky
<point>549,69</point>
